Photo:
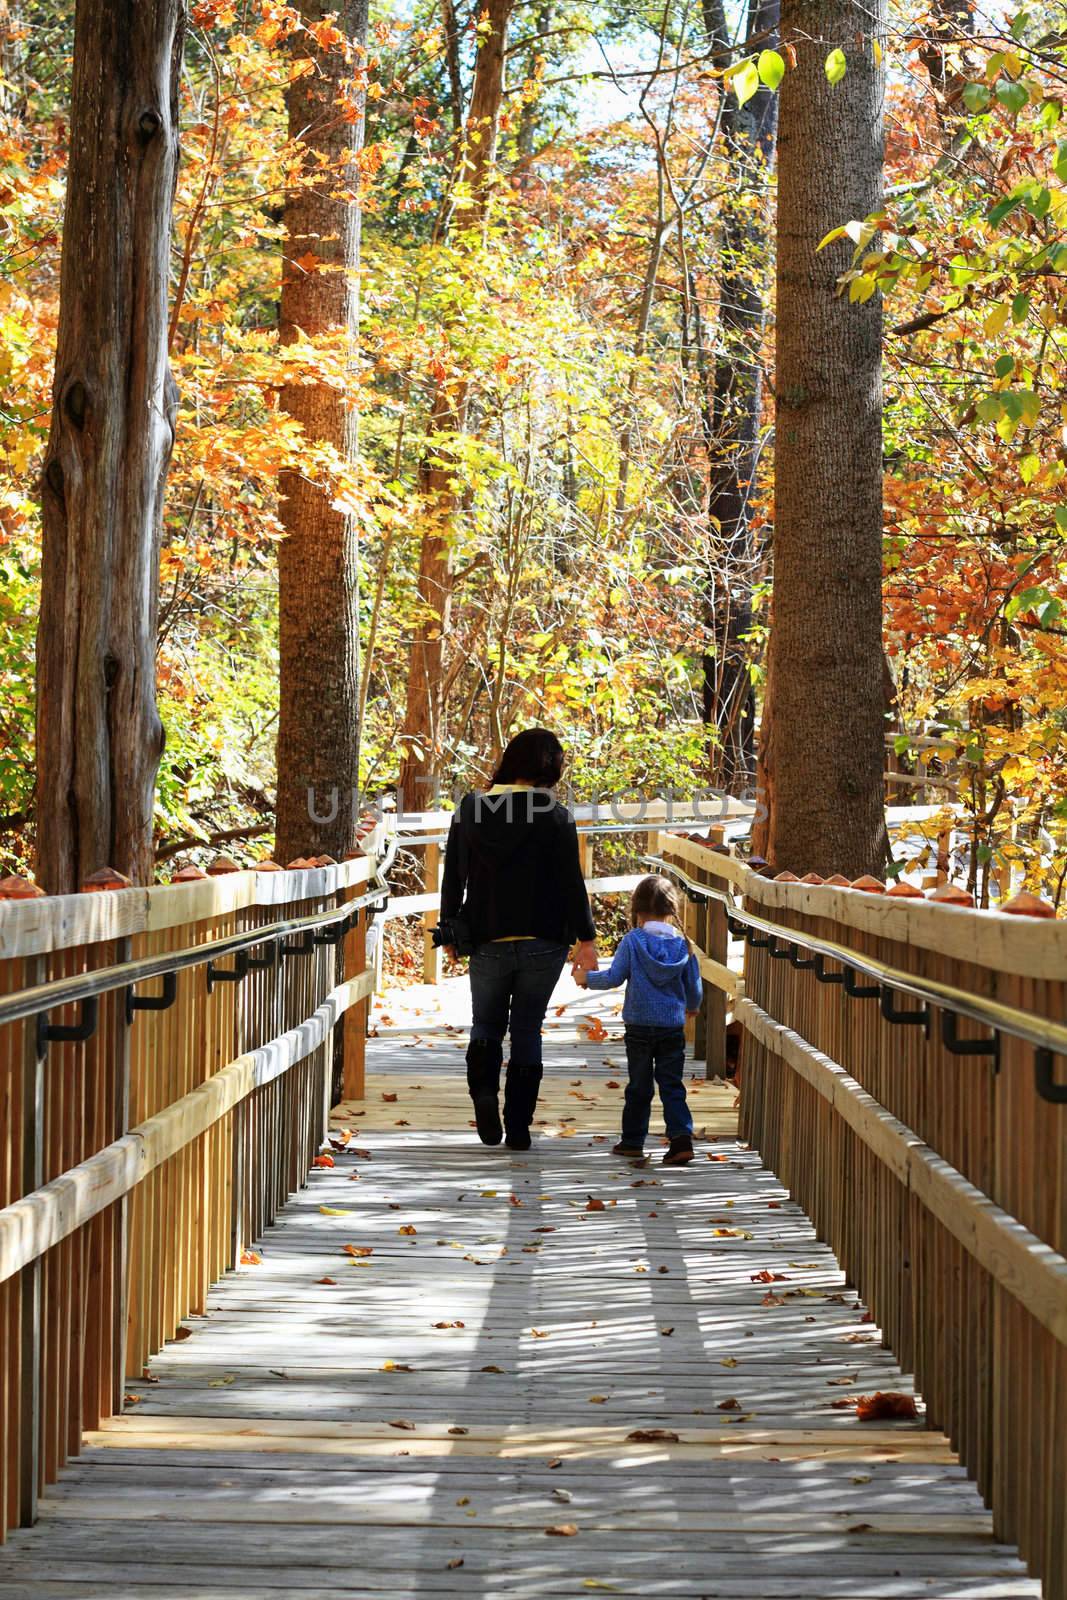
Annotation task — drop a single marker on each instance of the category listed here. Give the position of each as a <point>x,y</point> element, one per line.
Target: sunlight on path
<point>431,1383</point>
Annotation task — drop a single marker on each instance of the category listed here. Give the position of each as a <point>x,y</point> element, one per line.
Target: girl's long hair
<point>656,897</point>
<point>533,756</point>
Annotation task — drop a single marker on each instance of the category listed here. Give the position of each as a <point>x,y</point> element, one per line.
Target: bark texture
<point>318,573</point>
<point>824,752</point>
<point>423,732</point>
<point>736,405</point>
<point>99,737</point>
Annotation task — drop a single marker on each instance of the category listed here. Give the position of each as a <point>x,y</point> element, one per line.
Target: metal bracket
<point>332,934</point>
<point>735,926</point>
<point>68,1033</point>
<point>1044,1083</point>
<point>152,1002</point>
<point>760,941</point>
<point>265,963</point>
<point>781,952</point>
<point>860,991</point>
<point>952,1042</point>
<point>232,974</point>
<point>802,963</point>
<point>302,947</point>
<point>892,1013</point>
<point>822,974</point>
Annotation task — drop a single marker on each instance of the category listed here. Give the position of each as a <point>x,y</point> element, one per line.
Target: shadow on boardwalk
<point>414,1426</point>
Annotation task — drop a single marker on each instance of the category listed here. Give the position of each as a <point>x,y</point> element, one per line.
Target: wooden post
<point>585,854</point>
<point>353,1083</point>
<point>716,944</point>
<point>30,1278</point>
<point>431,955</point>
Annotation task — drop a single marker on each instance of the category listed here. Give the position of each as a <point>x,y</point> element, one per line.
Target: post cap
<point>868,884</point>
<point>298,864</point>
<point>786,877</point>
<point>905,891</point>
<point>950,894</point>
<point>221,865</point>
<point>812,877</point>
<point>838,881</point>
<point>1025,904</point>
<point>188,875</point>
<point>107,878</point>
<point>266,865</point>
<point>324,861</point>
<point>16,888</point>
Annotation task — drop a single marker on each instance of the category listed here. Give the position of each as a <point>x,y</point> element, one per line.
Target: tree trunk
<point>749,133</point>
<point>318,573</point>
<point>823,759</point>
<point>422,737</point>
<point>99,737</point>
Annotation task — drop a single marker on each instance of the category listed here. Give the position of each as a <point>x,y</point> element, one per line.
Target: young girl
<point>662,977</point>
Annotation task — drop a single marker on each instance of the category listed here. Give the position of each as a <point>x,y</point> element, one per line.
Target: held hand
<point>580,978</point>
<point>585,958</point>
<point>451,952</point>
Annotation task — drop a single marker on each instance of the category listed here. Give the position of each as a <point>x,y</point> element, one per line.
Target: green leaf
<point>836,66</point>
<point>1012,96</point>
<point>745,82</point>
<point>1059,166</point>
<point>1020,308</point>
<point>1060,514</point>
<point>771,68</point>
<point>1003,208</point>
<point>1004,366</point>
<point>976,96</point>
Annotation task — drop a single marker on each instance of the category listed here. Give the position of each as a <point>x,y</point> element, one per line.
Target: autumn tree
<point>318,576</point>
<point>823,744</point>
<point>441,492</point>
<point>99,735</point>
<point>748,125</point>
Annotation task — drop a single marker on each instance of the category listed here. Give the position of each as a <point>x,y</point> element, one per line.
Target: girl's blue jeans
<point>655,1056</point>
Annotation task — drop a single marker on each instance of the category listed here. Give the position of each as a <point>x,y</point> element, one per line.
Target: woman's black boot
<point>484,1058</point>
<point>520,1102</point>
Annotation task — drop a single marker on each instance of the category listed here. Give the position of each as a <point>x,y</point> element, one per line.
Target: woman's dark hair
<point>533,756</point>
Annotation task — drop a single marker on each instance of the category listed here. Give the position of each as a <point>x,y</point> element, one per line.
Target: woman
<point>513,896</point>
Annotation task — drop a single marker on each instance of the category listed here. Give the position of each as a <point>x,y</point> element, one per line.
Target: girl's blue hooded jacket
<point>662,977</point>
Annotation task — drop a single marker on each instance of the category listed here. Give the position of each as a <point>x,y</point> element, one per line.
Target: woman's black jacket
<point>512,869</point>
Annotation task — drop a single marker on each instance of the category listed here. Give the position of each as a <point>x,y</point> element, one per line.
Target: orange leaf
<point>881,1406</point>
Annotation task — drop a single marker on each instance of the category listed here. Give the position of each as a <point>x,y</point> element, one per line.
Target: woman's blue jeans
<point>654,1056</point>
<point>511,984</point>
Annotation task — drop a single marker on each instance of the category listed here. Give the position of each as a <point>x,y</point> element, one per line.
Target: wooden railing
<point>929,1151</point>
<point>150,1132</point>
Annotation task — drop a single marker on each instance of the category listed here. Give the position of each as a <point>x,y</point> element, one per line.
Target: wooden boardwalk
<point>430,1383</point>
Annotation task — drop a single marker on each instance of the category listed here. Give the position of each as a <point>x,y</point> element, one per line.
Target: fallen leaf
<point>251,1258</point>
<point>389,1097</point>
<point>183,1333</point>
<point>456,1561</point>
<point>666,1332</point>
<point>562,1530</point>
<point>562,1494</point>
<point>613,1083</point>
<point>459,1430</point>
<point>513,1200</point>
<point>538,1333</point>
<point>594,1204</point>
<point>334,1211</point>
<point>652,1436</point>
<point>546,1229</point>
<point>597,1399</point>
<point>881,1405</point>
<point>223,1382</point>
<point>325,1280</point>
<point>557,1462</point>
<point>767,1277</point>
<point>840,1382</point>
<point>402,1422</point>
<point>449,1324</point>
<point>728,1361</point>
<point>324,1161</point>
<point>396,1366</point>
<point>357,1250</point>
<point>733,1404</point>
<point>407,1229</point>
<point>464,1500</point>
<point>492,1369</point>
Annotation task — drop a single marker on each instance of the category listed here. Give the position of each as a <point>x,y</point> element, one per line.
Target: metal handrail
<point>88,986</point>
<point>649,825</point>
<point>1040,1032</point>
